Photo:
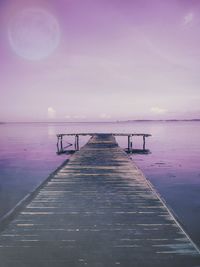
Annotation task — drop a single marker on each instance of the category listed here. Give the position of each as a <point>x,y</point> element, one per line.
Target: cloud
<point>51,113</point>
<point>188,19</point>
<point>79,117</point>
<point>158,110</point>
<point>67,117</point>
<point>75,117</point>
<point>104,116</point>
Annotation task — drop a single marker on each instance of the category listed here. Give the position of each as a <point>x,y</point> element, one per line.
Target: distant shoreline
<point>117,121</point>
<point>171,120</point>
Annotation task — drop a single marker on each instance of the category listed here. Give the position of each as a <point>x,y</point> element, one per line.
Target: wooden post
<point>144,142</point>
<point>77,140</point>
<point>61,143</point>
<point>58,144</point>
<point>129,143</point>
<point>75,144</point>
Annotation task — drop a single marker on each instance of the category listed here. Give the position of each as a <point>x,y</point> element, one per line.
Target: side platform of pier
<point>98,210</point>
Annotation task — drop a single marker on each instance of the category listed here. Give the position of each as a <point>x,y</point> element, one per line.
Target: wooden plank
<point>98,210</point>
<point>114,134</point>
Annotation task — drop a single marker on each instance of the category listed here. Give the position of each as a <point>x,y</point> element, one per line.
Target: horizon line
<point>114,121</point>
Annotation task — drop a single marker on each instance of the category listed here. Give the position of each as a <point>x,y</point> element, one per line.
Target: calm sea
<point>28,156</point>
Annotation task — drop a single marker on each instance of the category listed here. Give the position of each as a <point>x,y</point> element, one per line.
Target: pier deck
<point>98,210</point>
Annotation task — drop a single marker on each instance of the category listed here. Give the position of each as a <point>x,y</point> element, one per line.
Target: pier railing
<point>63,145</point>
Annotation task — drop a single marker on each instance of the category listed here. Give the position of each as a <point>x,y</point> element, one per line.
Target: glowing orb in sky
<point>33,33</point>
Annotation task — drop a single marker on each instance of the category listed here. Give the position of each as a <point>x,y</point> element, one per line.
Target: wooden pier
<point>97,210</point>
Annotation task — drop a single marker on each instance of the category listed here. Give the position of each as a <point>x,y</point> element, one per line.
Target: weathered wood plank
<point>98,210</point>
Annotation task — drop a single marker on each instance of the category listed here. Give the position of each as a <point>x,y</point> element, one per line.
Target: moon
<point>33,34</point>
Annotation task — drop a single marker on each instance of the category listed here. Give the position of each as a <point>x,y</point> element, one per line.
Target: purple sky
<point>75,60</point>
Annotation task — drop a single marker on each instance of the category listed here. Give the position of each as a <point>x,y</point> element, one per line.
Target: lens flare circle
<point>34,33</point>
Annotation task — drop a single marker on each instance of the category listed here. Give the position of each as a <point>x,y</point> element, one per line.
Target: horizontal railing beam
<point>114,134</point>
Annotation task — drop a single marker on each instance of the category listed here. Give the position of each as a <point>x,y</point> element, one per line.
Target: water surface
<point>28,156</point>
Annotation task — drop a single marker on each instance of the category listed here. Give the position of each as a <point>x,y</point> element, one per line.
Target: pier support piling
<point>61,143</point>
<point>144,142</point>
<point>129,143</point>
<point>76,145</point>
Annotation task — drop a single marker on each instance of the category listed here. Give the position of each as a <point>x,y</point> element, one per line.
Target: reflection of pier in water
<point>63,145</point>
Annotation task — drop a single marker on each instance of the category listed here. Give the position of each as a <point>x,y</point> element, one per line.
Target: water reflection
<point>51,130</point>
